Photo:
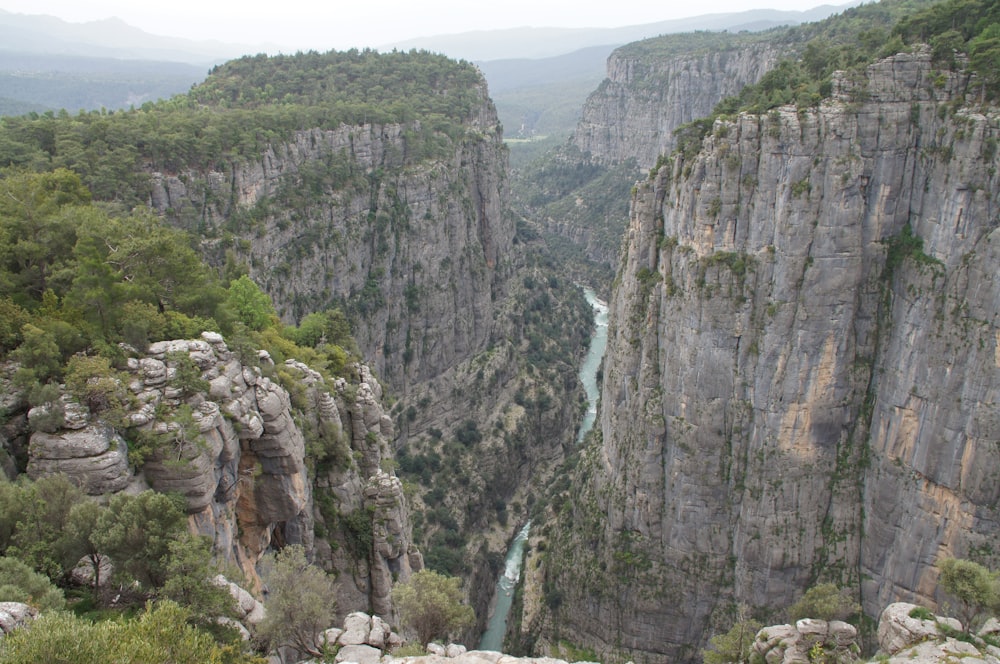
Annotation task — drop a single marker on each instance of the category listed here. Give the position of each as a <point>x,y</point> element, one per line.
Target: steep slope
<point>374,184</point>
<point>654,87</point>
<point>401,222</point>
<point>801,378</point>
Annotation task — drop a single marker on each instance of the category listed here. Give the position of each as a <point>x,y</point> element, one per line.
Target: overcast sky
<point>339,24</point>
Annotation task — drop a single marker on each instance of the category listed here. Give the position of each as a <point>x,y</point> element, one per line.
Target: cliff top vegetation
<point>858,37</point>
<point>241,108</point>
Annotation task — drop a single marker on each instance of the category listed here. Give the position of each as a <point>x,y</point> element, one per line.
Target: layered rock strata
<point>803,367</point>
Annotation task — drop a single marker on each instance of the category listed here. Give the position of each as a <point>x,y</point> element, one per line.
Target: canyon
<point>801,380</point>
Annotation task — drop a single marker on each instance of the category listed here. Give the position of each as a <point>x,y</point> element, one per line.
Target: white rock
<point>378,634</point>
<point>357,626</point>
<point>14,615</point>
<point>359,654</point>
<point>898,630</point>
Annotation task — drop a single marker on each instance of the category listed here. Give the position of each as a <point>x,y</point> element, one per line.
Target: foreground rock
<point>785,644</point>
<point>908,638</point>
<point>14,615</point>
<point>232,435</point>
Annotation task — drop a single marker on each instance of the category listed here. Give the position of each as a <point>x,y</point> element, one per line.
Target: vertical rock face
<point>415,248</point>
<point>634,113</point>
<point>802,374</point>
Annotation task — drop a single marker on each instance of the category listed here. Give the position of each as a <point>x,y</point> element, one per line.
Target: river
<point>591,363</point>
<point>497,626</point>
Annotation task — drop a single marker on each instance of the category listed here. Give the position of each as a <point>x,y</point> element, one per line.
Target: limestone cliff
<point>414,247</point>
<point>802,371</point>
<point>265,456</point>
<point>634,112</point>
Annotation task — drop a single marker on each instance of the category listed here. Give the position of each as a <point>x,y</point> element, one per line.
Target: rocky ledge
<point>907,634</point>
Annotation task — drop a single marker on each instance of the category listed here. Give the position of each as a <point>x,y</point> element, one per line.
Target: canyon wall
<point>803,367</point>
<point>406,233</point>
<point>645,97</point>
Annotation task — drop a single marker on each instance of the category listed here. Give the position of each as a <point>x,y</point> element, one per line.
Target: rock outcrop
<point>367,639</point>
<point>260,467</point>
<point>14,615</point>
<point>807,640</point>
<point>802,371</point>
<point>907,634</point>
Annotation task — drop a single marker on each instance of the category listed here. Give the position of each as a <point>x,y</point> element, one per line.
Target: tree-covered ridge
<point>837,29</point>
<point>850,40</point>
<point>970,27</point>
<point>692,44</point>
<point>409,85</point>
<point>242,108</point>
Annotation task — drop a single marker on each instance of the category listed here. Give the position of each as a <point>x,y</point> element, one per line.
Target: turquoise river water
<point>496,627</point>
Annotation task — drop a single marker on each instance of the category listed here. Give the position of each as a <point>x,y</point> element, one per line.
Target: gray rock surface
<point>237,453</point>
<point>634,113</point>
<point>902,638</point>
<point>94,456</point>
<point>439,256</point>
<point>799,643</point>
<point>792,390</point>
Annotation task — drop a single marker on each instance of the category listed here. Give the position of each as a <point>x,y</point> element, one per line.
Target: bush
<point>431,605</point>
<point>300,604</point>
<point>824,602</point>
<point>974,586</point>
<point>20,583</point>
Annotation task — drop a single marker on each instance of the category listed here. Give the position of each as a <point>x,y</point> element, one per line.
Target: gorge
<point>802,367</point>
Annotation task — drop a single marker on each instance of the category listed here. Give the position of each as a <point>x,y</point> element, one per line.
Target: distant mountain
<point>40,82</point>
<point>50,64</point>
<point>539,77</point>
<point>528,42</point>
<point>586,63</point>
<point>111,38</point>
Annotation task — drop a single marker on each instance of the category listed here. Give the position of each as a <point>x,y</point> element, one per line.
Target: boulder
<point>379,634</point>
<point>14,615</point>
<point>359,654</point>
<point>357,627</point>
<point>250,611</point>
<point>898,630</point>
<point>83,573</point>
<point>454,650</point>
<point>792,644</point>
<point>95,458</point>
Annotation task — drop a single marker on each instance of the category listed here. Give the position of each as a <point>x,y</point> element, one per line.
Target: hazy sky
<point>340,24</point>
